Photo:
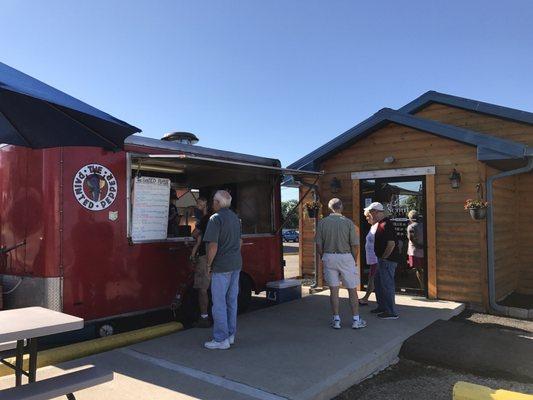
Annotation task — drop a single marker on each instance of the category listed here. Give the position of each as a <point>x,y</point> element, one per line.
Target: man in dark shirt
<point>199,258</point>
<point>224,260</point>
<point>386,249</point>
<point>173,216</point>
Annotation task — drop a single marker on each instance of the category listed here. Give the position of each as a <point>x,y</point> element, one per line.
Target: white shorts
<point>340,267</point>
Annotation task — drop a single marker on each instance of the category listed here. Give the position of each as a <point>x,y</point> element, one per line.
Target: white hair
<point>335,204</point>
<point>223,198</point>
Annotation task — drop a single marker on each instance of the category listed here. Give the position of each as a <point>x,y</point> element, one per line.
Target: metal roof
<point>467,104</point>
<point>135,140</point>
<point>510,149</point>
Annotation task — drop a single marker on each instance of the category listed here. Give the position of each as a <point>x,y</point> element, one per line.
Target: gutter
<point>511,311</point>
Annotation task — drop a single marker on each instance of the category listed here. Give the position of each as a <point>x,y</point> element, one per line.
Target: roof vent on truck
<point>181,137</point>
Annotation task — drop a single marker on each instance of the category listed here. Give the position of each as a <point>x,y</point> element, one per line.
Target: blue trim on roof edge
<point>387,115</point>
<point>467,104</point>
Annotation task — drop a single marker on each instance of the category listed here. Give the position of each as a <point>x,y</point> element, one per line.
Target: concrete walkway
<point>282,352</point>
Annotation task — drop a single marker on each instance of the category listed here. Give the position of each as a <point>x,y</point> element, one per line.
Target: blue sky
<point>275,78</point>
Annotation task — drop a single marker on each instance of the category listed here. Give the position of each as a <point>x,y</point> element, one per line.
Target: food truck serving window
<point>163,196</point>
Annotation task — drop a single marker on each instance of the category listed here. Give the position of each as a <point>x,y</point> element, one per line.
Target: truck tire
<point>245,292</point>
<point>106,329</point>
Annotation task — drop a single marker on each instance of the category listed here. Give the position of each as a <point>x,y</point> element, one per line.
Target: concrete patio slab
<point>282,352</point>
<point>136,380</point>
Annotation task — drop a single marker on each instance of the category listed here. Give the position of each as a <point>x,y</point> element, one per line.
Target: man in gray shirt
<point>338,245</point>
<point>223,237</point>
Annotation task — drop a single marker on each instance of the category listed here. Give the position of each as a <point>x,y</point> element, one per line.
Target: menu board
<point>151,198</point>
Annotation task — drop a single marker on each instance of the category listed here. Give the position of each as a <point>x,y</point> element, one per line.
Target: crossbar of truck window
<point>285,171</point>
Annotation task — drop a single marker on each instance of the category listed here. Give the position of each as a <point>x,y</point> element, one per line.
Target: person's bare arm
<point>411,233</point>
<point>389,249</point>
<point>212,248</point>
<point>196,244</point>
<point>355,252</point>
<point>319,249</point>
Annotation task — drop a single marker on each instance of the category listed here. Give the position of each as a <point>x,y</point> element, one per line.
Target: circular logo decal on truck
<point>95,187</point>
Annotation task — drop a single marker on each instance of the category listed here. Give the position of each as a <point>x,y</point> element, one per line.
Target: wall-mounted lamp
<point>335,185</point>
<point>389,160</point>
<point>455,179</point>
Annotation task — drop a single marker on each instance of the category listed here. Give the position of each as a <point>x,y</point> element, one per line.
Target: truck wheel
<point>105,330</point>
<point>245,292</point>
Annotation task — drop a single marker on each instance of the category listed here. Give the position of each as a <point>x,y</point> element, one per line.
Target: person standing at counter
<point>202,278</point>
<point>173,215</point>
<point>223,237</point>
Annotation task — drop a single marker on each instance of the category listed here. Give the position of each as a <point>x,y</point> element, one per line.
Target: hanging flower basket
<point>477,209</point>
<point>478,213</point>
<point>313,209</point>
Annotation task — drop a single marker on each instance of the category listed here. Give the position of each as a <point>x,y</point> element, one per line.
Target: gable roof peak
<point>387,115</point>
<point>432,96</point>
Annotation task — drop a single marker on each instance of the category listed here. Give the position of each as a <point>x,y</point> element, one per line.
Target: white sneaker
<point>336,324</point>
<point>358,324</point>
<point>214,345</point>
<point>231,339</point>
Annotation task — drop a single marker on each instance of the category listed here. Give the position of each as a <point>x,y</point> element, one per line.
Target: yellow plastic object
<point>90,347</point>
<point>470,391</point>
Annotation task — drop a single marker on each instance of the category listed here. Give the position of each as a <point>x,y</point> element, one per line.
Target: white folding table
<point>28,324</point>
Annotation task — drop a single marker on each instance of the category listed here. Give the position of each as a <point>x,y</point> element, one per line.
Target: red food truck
<point>90,232</point>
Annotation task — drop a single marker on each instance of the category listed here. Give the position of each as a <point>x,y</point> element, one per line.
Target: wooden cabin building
<point>405,159</point>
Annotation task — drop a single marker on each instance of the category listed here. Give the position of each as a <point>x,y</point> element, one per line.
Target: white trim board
<point>392,173</point>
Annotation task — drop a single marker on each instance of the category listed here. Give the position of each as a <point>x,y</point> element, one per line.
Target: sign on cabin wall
<point>150,208</point>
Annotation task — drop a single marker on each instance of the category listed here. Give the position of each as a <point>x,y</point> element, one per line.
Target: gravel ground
<point>411,380</point>
<point>486,320</point>
<point>414,380</point>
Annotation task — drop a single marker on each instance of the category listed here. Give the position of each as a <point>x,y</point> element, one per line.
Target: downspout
<point>490,231</point>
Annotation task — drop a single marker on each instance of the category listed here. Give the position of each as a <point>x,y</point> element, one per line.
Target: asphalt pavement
<point>291,257</point>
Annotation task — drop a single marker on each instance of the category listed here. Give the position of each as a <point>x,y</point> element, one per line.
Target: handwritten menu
<point>150,208</point>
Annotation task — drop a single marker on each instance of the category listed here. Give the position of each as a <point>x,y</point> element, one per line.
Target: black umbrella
<point>36,115</point>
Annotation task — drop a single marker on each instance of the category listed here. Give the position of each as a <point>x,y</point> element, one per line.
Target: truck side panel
<point>29,210</point>
<point>104,274</point>
<point>79,260</point>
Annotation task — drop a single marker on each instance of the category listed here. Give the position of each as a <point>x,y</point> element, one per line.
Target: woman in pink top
<point>371,258</point>
<point>415,251</point>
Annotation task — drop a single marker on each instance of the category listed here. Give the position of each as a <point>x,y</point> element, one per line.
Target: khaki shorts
<point>340,268</point>
<point>202,279</point>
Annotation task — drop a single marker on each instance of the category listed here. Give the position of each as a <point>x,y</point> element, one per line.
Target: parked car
<point>291,236</point>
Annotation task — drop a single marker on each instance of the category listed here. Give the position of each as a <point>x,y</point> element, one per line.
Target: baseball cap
<point>375,206</point>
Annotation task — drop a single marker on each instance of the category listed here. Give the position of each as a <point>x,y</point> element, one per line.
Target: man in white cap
<point>338,245</point>
<point>386,250</point>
